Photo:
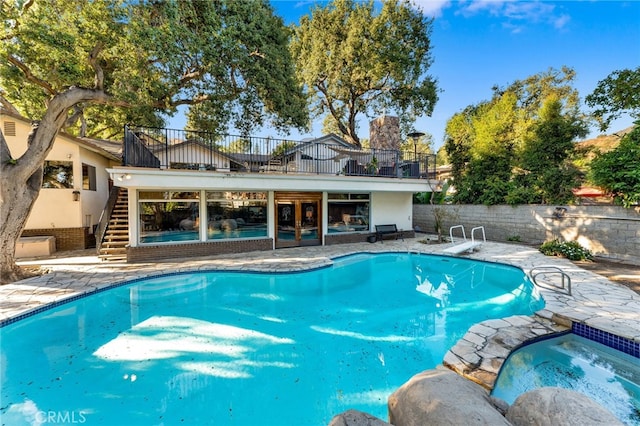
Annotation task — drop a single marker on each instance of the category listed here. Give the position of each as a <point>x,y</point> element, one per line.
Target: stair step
<point>114,245</point>
<point>109,258</point>
<point>113,250</point>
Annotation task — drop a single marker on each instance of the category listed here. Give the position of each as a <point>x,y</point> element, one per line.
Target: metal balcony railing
<point>197,150</point>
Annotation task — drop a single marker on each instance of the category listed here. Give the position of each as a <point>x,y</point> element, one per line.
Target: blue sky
<point>481,43</point>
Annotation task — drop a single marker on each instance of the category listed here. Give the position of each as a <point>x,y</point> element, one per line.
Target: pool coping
<point>595,301</point>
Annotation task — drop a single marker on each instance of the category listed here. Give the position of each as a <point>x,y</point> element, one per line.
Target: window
<point>348,212</point>
<point>169,216</point>
<point>57,174</point>
<point>236,214</point>
<point>88,177</point>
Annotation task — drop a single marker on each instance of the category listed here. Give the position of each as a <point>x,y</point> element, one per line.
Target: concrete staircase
<point>116,237</point>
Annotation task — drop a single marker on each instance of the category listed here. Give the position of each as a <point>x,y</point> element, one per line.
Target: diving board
<point>466,246</point>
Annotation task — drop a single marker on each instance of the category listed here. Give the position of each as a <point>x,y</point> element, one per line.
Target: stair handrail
<point>551,269</point>
<point>101,228</point>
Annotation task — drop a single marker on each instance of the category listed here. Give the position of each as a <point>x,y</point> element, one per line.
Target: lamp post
<point>415,136</point>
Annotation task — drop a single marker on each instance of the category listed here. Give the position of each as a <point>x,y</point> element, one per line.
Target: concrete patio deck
<point>595,301</point>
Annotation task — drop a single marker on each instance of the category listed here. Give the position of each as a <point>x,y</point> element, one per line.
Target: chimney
<point>384,133</point>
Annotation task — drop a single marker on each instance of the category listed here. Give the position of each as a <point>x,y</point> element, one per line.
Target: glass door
<point>298,219</point>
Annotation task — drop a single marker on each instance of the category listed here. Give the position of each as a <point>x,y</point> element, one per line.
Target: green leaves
<point>516,147</point>
<point>572,250</point>
<point>150,57</point>
<point>618,171</point>
<point>354,61</point>
<point>619,92</point>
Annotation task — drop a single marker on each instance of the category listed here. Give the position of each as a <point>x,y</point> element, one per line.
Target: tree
<point>484,142</point>
<point>619,92</point>
<point>618,171</point>
<point>353,61</point>
<point>70,63</point>
<point>546,173</point>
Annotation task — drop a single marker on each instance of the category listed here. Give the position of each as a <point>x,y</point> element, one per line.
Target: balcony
<point>196,150</point>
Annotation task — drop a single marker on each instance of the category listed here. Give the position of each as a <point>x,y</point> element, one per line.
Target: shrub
<point>572,250</point>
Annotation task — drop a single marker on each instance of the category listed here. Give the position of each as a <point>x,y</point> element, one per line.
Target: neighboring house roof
<point>108,149</point>
<point>238,158</point>
<point>330,139</point>
<point>588,191</point>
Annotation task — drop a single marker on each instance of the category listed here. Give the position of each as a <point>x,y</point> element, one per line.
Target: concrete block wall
<point>608,231</point>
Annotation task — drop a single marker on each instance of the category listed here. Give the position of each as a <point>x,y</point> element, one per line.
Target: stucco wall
<point>608,231</point>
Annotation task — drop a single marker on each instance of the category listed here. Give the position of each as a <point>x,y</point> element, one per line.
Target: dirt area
<point>625,274</point>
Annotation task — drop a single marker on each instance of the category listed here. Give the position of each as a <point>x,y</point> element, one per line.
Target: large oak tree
<point>83,64</point>
<point>356,60</point>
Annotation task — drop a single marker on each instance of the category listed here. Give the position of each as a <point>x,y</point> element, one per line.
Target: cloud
<point>517,14</point>
<point>432,8</point>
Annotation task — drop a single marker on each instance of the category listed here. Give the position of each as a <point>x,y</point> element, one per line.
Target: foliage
<point>514,238</point>
<point>70,64</point>
<point>619,92</point>
<point>515,147</point>
<point>148,58</point>
<point>618,171</point>
<point>283,147</point>
<point>355,61</point>
<point>546,170</point>
<point>572,250</point>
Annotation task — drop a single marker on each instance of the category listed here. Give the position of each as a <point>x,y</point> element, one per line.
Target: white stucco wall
<point>392,207</point>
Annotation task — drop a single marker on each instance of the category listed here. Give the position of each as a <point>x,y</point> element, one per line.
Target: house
<point>75,188</point>
<point>193,194</point>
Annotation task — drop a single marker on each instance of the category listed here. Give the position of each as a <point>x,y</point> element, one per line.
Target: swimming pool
<point>246,348</point>
<point>606,375</point>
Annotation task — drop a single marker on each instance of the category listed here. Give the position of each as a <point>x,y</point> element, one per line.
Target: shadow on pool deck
<point>622,273</point>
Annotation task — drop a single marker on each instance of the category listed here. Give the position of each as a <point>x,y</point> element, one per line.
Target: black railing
<point>103,222</point>
<point>196,150</point>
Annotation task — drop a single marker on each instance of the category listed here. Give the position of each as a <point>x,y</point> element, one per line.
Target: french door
<point>298,219</point>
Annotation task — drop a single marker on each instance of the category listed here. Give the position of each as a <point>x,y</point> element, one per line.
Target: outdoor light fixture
<point>415,136</point>
<point>125,176</point>
<point>76,195</point>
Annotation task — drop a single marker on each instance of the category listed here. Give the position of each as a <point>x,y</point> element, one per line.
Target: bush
<point>572,250</point>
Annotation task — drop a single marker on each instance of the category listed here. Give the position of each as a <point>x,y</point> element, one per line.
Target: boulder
<point>356,418</point>
<point>228,225</point>
<point>442,397</point>
<point>187,225</point>
<point>558,407</point>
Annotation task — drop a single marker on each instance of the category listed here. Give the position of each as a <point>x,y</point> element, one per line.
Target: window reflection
<point>348,212</point>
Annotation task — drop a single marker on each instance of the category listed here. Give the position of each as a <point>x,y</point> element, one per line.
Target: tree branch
<point>93,61</point>
<point>8,105</point>
<point>29,75</point>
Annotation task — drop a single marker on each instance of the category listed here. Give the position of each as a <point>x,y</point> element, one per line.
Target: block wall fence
<point>608,231</point>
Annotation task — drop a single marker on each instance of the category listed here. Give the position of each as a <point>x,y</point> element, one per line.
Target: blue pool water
<point>251,348</point>
<point>608,376</point>
<point>170,236</point>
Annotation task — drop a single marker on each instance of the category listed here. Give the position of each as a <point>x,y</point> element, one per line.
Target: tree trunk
<point>21,178</point>
<point>16,201</point>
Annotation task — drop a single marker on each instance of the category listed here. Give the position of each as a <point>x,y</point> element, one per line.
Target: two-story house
<point>193,193</point>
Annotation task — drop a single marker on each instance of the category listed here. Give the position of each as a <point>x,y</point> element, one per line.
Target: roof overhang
<point>145,178</point>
